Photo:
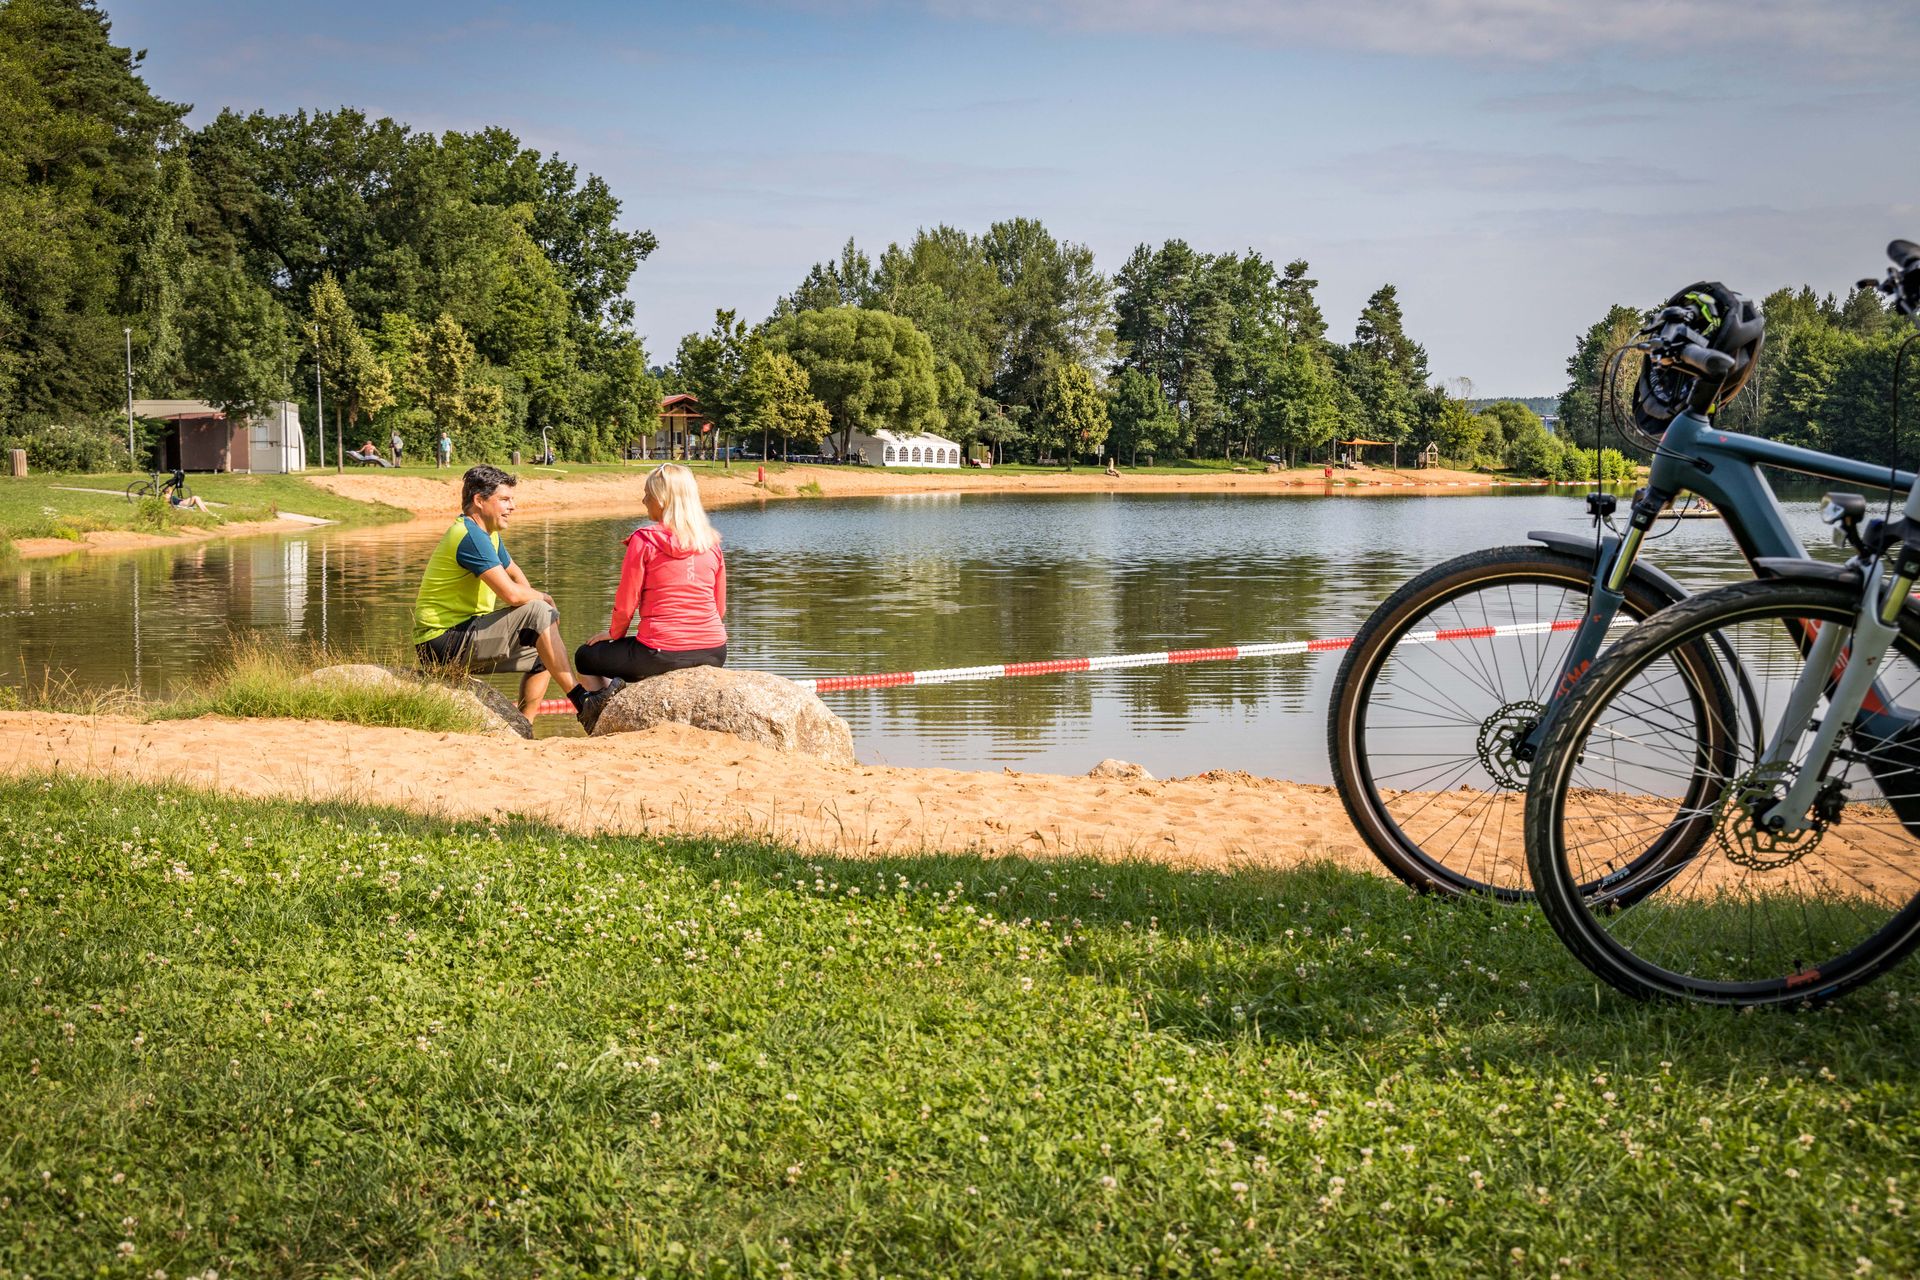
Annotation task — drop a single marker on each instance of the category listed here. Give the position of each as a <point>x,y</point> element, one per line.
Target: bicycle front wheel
<point>1434,700</point>
<point>1744,913</point>
<point>139,489</point>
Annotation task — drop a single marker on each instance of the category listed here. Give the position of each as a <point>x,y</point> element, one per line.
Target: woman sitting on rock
<point>675,580</point>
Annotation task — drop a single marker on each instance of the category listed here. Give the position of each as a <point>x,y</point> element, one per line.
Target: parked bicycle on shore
<point>1433,742</point>
<point>1788,819</point>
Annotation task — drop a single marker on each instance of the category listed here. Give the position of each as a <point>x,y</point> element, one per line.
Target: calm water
<point>890,584</point>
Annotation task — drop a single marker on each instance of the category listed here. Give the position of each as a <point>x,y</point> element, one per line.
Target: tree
<point>1508,421</point>
<point>776,395</point>
<point>461,403</point>
<point>845,283</point>
<point>1386,369</point>
<point>1054,308</point>
<point>872,370</point>
<point>239,347</point>
<point>1072,414</point>
<point>1140,415</point>
<point>712,366</point>
<point>1580,403</point>
<point>360,382</point>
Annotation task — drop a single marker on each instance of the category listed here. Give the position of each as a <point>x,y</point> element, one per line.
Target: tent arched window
<point>916,453</point>
<point>891,454</point>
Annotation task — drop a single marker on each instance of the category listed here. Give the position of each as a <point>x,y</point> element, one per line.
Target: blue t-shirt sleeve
<point>476,553</point>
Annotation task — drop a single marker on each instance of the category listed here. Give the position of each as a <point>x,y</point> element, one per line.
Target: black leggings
<point>628,659</point>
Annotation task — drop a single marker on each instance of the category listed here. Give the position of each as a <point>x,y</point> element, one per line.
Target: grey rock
<point>1111,768</point>
<point>754,705</point>
<point>499,712</point>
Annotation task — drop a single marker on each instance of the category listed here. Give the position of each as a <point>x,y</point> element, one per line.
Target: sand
<point>106,540</point>
<point>674,779</point>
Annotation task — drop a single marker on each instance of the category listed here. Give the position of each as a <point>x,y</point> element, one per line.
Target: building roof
<point>168,410</point>
<point>677,401</point>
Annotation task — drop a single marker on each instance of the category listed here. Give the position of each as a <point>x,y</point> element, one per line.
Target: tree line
<point>461,281</point>
<point>467,283</point>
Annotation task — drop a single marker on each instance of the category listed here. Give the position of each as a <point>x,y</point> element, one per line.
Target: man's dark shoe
<point>594,703</point>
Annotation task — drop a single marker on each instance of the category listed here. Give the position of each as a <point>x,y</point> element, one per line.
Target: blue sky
<point>1514,166</point>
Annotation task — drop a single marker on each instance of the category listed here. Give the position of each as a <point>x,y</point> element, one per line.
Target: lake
<point>890,584</point>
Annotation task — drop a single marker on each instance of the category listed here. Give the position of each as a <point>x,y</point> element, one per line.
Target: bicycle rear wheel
<point>1748,915</point>
<point>1437,690</point>
<point>140,489</point>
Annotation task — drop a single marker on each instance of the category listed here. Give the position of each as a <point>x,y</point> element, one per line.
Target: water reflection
<point>886,584</point>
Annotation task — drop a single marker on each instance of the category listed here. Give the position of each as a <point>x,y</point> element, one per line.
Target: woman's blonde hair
<point>682,515</point>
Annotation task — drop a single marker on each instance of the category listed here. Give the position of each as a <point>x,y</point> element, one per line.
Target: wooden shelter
<point>1430,456</point>
<point>681,422</point>
<point>1356,444</point>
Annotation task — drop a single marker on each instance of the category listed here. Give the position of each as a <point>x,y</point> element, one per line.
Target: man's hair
<point>481,481</point>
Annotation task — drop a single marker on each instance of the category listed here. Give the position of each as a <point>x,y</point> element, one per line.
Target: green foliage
<point>503,1049</point>
<point>776,397</point>
<point>67,446</point>
<point>1614,468</point>
<point>260,682</point>
<point>1072,414</point>
<point>871,370</point>
<point>1580,402</point>
<point>212,246</point>
<point>1142,420</point>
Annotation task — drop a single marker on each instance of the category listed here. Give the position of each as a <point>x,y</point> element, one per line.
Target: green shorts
<point>503,640</point>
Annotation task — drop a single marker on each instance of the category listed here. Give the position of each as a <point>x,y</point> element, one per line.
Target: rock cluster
<point>1111,768</point>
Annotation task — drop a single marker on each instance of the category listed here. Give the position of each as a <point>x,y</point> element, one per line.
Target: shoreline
<point>600,494</point>
<point>591,494</point>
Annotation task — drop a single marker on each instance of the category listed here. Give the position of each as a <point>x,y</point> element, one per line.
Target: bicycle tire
<point>139,489</point>
<point>1467,846</point>
<point>1748,918</point>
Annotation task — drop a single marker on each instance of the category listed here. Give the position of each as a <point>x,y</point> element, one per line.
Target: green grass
<point>261,682</point>
<point>47,506</point>
<point>285,1040</point>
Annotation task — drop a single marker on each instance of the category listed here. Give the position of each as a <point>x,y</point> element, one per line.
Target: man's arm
<point>511,586</point>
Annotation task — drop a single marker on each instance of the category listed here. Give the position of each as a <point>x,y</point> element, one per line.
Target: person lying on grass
<point>477,612</point>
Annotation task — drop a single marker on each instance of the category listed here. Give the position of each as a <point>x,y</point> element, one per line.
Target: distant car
<point>1274,457</point>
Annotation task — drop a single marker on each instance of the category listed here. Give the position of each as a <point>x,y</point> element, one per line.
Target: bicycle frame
<point>1723,467</point>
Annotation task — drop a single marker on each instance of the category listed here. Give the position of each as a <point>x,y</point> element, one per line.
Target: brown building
<point>202,438</point>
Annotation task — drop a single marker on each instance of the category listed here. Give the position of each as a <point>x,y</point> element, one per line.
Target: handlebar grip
<point>1704,361</point>
<point>1905,254</point>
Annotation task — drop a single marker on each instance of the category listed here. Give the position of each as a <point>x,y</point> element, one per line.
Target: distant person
<point>675,580</point>
<point>175,492</point>
<point>396,446</point>
<point>445,448</point>
<point>476,611</point>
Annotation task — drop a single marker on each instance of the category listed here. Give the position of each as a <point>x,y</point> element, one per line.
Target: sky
<point>1513,167</point>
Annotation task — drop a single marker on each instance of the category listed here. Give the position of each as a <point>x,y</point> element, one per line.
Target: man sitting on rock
<point>477,612</point>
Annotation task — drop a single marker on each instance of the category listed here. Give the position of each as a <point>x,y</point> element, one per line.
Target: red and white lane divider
<point>1118,661</point>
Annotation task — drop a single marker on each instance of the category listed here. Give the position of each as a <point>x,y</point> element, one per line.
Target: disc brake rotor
<point>1742,837</point>
<point>1500,737</point>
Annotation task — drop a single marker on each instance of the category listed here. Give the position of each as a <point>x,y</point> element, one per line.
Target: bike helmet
<point>1724,322</point>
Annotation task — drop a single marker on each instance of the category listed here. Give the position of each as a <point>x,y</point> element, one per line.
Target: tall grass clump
<point>270,682</point>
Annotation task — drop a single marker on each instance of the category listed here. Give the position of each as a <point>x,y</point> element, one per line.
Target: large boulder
<point>753,705</point>
<point>495,709</point>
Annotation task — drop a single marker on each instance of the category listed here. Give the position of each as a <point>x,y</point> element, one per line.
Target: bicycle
<point>1432,741</point>
<point>154,487</point>
<point>1790,875</point>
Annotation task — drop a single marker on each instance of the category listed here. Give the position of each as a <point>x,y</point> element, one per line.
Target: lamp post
<point>319,406</point>
<point>133,463</point>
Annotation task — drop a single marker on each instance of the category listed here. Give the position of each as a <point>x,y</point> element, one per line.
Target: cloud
<point>1414,167</point>
<point>1850,31</point>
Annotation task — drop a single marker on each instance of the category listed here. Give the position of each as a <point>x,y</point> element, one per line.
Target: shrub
<point>263,682</point>
<point>73,446</point>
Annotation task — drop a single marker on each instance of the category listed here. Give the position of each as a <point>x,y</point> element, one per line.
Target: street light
<point>133,463</point>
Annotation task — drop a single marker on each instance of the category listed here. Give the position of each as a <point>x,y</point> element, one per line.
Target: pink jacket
<point>680,595</point>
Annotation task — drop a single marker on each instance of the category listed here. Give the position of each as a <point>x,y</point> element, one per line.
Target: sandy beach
<point>675,779</point>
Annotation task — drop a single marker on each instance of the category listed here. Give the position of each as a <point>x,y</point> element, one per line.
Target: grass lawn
<point>49,506</point>
<point>275,1040</point>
